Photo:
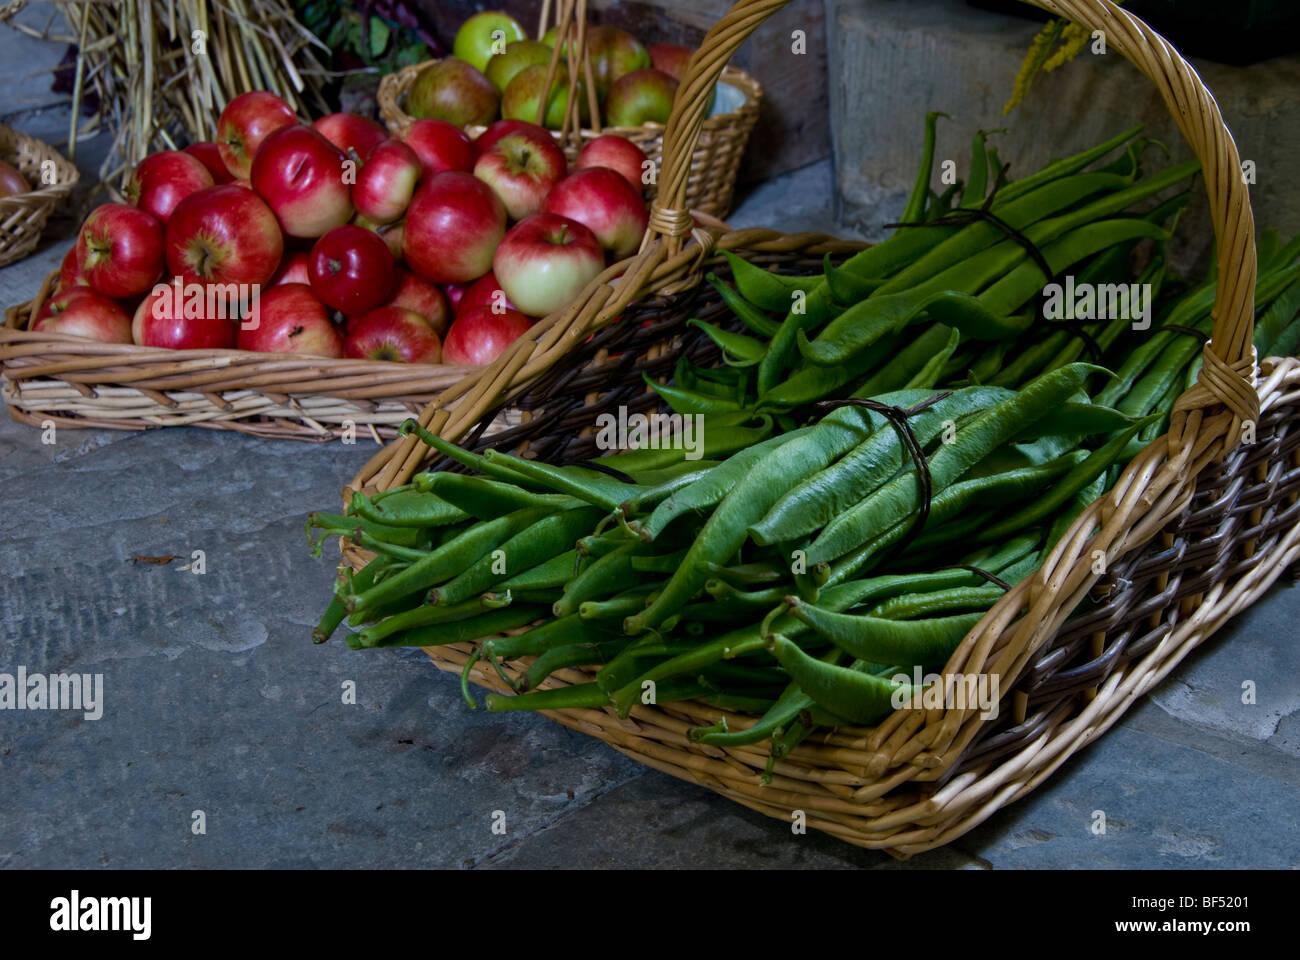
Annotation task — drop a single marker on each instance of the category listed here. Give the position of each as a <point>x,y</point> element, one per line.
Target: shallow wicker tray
<point>22,217</point>
<point>923,777</point>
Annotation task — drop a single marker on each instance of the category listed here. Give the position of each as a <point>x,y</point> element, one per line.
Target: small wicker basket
<point>22,217</point>
<point>1195,529</point>
<point>719,145</point>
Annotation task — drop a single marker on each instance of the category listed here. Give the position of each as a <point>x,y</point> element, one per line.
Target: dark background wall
<point>794,128</point>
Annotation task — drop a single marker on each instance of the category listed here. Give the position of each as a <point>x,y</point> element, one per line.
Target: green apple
<point>484,35</point>
<point>501,69</point>
<point>524,93</point>
<point>642,96</point>
<point>613,53</point>
<point>454,91</point>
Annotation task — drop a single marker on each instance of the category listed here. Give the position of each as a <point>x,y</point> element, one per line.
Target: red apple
<point>483,142</point>
<point>453,226</point>
<point>351,269</point>
<point>82,312</point>
<point>617,153</point>
<point>670,59</point>
<point>479,335</point>
<point>606,203</point>
<point>454,91</point>
<point>291,319</point>
<point>392,333</point>
<point>120,250</point>
<point>248,120</point>
<point>639,97</point>
<point>226,235</point>
<point>386,182</point>
<point>293,269</point>
<point>162,180</point>
<point>209,154</point>
<point>69,273</point>
<point>521,168</point>
<point>485,292</point>
<point>301,176</point>
<point>355,135</point>
<point>545,261</point>
<point>415,293</point>
<point>440,146</point>
<point>455,293</point>
<point>12,182</point>
<point>183,316</point>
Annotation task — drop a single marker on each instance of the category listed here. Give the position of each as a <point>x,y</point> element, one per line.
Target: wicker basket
<point>1194,530</point>
<point>719,146</point>
<point>22,217</point>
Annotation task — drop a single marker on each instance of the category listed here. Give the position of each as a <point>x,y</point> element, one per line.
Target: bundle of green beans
<point>806,557</point>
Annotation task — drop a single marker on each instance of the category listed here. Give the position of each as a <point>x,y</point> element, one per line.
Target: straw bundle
<point>161,70</point>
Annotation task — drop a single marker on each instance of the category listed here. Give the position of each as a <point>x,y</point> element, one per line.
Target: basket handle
<point>1229,370</point>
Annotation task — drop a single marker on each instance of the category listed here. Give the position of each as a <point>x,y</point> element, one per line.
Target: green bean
<point>893,502</point>
<point>710,489</point>
<point>347,582</point>
<point>622,605</point>
<point>765,483</point>
<point>977,180</point>
<point>858,696</point>
<point>1019,214</point>
<point>610,573</point>
<point>812,383</point>
<point>737,349</point>
<point>844,287</point>
<point>836,488</point>
<point>333,524</point>
<point>542,540</point>
<point>459,631</point>
<point>1280,313</point>
<point>572,655</point>
<point>915,207</point>
<point>486,499</point>
<point>911,606</point>
<point>555,572</point>
<point>1072,418</point>
<point>748,313</point>
<point>928,375</point>
<point>421,616</point>
<point>690,402</point>
<point>589,695</point>
<point>928,643</point>
<point>764,289</point>
<point>409,508</point>
<point>1074,481</point>
<point>447,561</point>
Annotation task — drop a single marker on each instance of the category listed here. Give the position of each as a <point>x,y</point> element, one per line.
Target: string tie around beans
<point>898,416</point>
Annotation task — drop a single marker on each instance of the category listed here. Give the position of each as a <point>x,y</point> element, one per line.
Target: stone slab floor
<point>216,701</point>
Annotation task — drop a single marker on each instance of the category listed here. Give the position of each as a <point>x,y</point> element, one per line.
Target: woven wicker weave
<point>923,777</point>
<point>719,145</point>
<point>22,217</point>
